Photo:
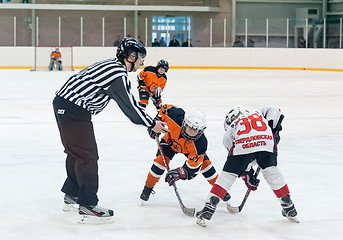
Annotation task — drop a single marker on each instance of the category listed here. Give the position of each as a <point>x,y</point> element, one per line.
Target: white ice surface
<point>310,158</point>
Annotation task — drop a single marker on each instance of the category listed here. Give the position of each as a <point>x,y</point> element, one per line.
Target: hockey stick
<point>188,211</point>
<point>232,209</point>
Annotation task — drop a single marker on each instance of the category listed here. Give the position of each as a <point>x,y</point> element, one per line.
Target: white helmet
<point>195,119</point>
<point>233,114</point>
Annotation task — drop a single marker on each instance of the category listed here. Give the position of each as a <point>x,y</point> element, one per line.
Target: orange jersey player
<point>186,136</point>
<point>55,54</point>
<point>151,82</point>
<point>55,59</point>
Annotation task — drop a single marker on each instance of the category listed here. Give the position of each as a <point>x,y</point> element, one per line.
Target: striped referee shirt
<point>93,87</point>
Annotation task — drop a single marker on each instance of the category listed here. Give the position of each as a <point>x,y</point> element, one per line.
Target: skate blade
<point>143,202</point>
<point>293,219</point>
<point>70,207</point>
<point>201,222</point>
<point>86,219</point>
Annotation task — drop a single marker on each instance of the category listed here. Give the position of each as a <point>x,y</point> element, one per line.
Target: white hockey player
<point>250,136</point>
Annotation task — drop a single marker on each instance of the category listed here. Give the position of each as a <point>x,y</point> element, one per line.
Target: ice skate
<point>288,210</point>
<point>207,212</point>
<point>95,215</point>
<point>146,194</point>
<point>70,204</point>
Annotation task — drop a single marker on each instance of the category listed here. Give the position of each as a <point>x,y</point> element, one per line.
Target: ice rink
<point>310,157</point>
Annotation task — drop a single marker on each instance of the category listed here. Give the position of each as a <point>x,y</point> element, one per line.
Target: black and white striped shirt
<point>93,87</point>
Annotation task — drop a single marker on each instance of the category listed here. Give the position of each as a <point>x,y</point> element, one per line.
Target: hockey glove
<point>151,133</point>
<point>141,84</point>
<point>250,181</point>
<point>156,97</point>
<point>176,174</point>
<point>157,93</point>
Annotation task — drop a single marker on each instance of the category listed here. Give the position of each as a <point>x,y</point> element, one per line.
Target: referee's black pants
<point>77,136</point>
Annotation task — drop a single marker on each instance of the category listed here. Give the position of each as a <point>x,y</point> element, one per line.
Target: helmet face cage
<point>163,64</point>
<point>196,120</point>
<point>130,47</point>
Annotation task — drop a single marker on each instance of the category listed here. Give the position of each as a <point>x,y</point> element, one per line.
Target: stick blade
<point>232,209</point>
<point>188,211</point>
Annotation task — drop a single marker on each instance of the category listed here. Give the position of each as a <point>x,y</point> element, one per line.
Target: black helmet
<point>130,47</point>
<point>163,64</point>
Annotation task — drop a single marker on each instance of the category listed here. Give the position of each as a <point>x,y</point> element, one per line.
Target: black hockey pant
<point>238,164</point>
<point>77,135</point>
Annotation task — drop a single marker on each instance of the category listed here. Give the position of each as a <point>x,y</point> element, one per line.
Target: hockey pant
<point>54,62</point>
<point>157,169</point>
<point>144,98</point>
<point>77,136</point>
<point>236,165</point>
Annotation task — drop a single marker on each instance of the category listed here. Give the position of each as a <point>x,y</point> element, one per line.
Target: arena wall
<point>230,58</point>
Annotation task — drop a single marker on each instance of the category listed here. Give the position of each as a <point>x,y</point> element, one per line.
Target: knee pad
<point>273,177</point>
<point>226,179</point>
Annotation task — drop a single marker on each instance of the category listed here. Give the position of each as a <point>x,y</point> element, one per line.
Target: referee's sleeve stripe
<point>145,117</point>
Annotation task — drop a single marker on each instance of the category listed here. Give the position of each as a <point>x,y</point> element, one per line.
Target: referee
<point>85,94</point>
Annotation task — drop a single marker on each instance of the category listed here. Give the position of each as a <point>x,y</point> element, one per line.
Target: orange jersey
<point>151,79</point>
<point>55,55</point>
<point>195,151</point>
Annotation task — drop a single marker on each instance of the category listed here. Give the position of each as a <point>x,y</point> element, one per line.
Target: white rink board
<point>42,58</point>
<point>195,57</point>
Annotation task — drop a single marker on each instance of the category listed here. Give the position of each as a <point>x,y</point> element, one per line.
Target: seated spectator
<point>174,42</point>
<point>116,42</point>
<point>185,44</point>
<point>302,43</point>
<point>140,40</point>
<point>250,42</point>
<point>162,42</point>
<point>238,42</point>
<point>155,43</point>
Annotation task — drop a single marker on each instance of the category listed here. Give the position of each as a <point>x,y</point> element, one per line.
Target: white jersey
<point>251,133</point>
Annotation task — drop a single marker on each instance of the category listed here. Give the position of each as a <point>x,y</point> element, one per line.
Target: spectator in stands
<point>155,43</point>
<point>185,44</point>
<point>140,40</point>
<point>238,42</point>
<point>174,42</point>
<point>116,42</point>
<point>302,43</point>
<point>162,42</point>
<point>250,42</point>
